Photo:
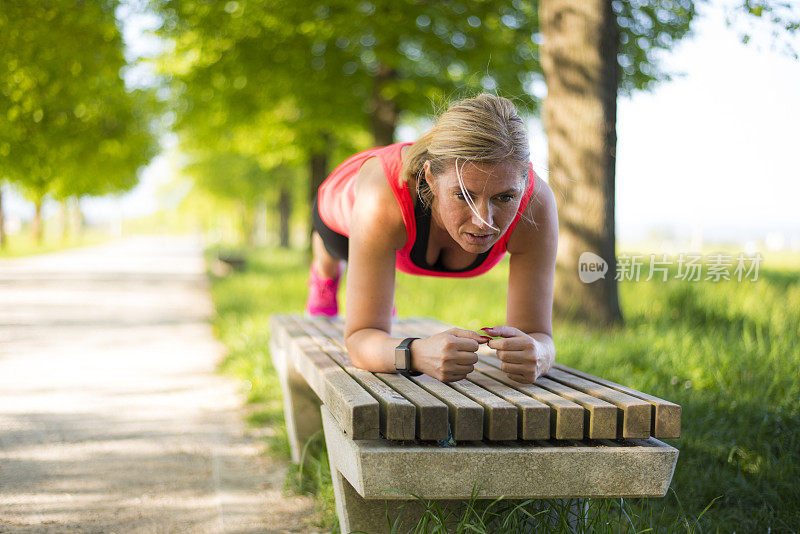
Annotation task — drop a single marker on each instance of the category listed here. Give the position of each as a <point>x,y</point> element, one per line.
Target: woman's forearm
<point>373,350</point>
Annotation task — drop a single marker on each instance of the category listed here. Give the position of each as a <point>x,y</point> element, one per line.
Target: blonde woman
<point>450,204</point>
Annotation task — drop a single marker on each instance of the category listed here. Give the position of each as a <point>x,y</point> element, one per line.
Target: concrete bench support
<point>364,470</point>
<point>300,403</point>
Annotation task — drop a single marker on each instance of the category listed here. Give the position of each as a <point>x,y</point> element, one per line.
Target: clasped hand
<point>450,356</point>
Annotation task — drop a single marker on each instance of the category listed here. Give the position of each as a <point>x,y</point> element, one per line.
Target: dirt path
<point>111,416</point>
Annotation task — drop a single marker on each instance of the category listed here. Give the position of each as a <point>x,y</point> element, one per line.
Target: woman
<point>450,204</point>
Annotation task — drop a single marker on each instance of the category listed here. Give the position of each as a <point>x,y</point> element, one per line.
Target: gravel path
<point>112,418</point>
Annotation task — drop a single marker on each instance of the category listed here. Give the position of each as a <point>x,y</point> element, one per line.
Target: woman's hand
<point>448,356</point>
<point>522,356</point>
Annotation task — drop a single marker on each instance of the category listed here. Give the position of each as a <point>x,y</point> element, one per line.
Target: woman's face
<point>495,190</point>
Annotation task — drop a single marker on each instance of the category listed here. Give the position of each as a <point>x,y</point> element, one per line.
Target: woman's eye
<point>506,198</point>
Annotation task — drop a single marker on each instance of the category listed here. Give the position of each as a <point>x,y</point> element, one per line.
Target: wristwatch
<point>402,357</point>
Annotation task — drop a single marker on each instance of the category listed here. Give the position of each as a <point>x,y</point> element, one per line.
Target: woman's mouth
<point>478,238</point>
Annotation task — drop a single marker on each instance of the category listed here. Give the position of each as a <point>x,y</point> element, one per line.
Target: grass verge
<point>24,245</point>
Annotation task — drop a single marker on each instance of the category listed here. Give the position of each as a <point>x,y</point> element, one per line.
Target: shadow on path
<point>112,417</point>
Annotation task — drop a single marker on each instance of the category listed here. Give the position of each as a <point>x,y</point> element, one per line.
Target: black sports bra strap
<point>422,220</point>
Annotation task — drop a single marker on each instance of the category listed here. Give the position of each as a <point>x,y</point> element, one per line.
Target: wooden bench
<point>568,435</point>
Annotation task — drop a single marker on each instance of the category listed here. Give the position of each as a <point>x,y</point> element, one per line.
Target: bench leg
<point>357,514</point>
<point>375,516</point>
<point>300,404</point>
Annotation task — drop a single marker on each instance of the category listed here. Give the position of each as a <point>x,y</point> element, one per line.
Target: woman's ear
<point>428,176</point>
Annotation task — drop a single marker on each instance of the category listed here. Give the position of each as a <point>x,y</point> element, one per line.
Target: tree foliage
<point>328,56</point>
<point>284,81</point>
<point>69,126</point>
<point>647,29</point>
<point>780,19</point>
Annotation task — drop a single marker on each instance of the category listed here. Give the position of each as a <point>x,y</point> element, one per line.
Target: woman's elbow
<point>352,352</point>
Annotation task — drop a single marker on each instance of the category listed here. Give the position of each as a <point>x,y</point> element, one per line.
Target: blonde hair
<point>482,129</point>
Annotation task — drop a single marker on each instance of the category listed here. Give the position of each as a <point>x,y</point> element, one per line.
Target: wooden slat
<point>600,418</point>
<point>466,417</point>
<point>533,417</point>
<point>635,413</point>
<point>428,325</point>
<point>397,415</point>
<point>633,416</point>
<point>356,410</point>
<point>464,414</point>
<point>566,418</point>
<point>432,413</point>
<point>432,420</point>
<point>500,417</point>
<point>665,415</point>
<point>278,326</point>
<point>278,341</point>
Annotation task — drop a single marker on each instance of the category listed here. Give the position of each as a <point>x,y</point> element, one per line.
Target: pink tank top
<point>337,195</point>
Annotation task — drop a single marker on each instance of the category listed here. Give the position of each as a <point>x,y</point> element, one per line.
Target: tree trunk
<point>383,113</point>
<point>2,222</point>
<point>579,59</point>
<point>63,220</point>
<point>260,213</point>
<point>245,223</point>
<point>75,216</point>
<point>284,212</point>
<point>319,171</point>
<point>38,233</point>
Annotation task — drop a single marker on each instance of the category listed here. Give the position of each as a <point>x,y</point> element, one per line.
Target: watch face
<point>401,358</point>
<point>402,355</point>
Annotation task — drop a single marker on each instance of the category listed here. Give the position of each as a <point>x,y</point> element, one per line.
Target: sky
<point>711,153</point>
<point>717,149</point>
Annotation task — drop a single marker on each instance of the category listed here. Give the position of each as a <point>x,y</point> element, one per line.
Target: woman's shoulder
<point>376,206</point>
<point>372,182</point>
<point>383,160</point>
<point>538,223</point>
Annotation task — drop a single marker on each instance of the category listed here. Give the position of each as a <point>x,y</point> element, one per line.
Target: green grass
<point>727,352</point>
<point>24,245</point>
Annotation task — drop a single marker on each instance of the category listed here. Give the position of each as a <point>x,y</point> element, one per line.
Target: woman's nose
<point>483,218</point>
